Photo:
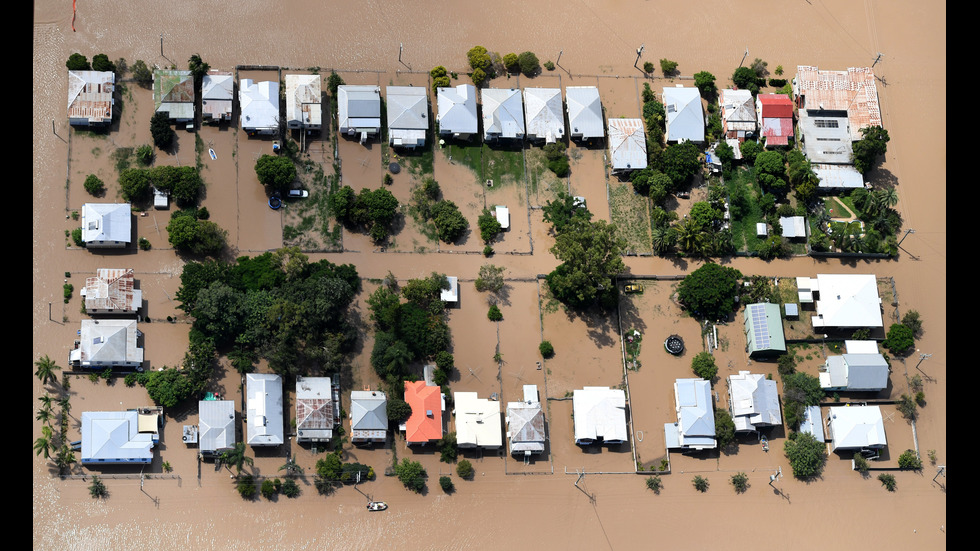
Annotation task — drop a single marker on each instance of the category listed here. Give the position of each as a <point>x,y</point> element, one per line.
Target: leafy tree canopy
<point>591,257</point>
<point>710,291</point>
<point>275,171</point>
<point>563,210</point>
<point>806,454</point>
<point>77,62</point>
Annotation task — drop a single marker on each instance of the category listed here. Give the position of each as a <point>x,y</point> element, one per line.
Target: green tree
<point>489,226</point>
<point>705,82</point>
<point>913,321</point>
<point>135,185</point>
<point>169,387</point>
<point>563,210</point>
<point>290,488</point>
<point>700,483</point>
<point>45,370</point>
<point>479,76</point>
<point>45,442</point>
<point>512,63</point>
<point>704,366</point>
<point>546,349</point>
<point>680,163</point>
<point>750,150</point>
<point>142,74</point>
<point>655,483</point>
<point>465,469</point>
<point>909,460</point>
<point>770,169</point>
<point>724,428</point>
<point>490,278</point>
<point>246,487</point>
<point>873,144</point>
<point>198,68</point>
<point>144,154</point>
<point>740,481</point>
<point>163,134</point>
<point>77,62</point>
<point>494,313</point>
<point>101,62</point>
<point>907,406</point>
<point>269,489</point>
<point>745,77</point>
<point>668,67</point>
<point>275,172</point>
<point>806,454</point>
<point>479,59</point>
<point>591,257</point>
<point>445,482</point>
<point>900,339</point>
<point>236,457</point>
<point>449,221</point>
<point>97,488</point>
<point>710,292</point>
<point>648,67</point>
<point>398,410</point>
<point>448,450</point>
<point>411,474</point>
<point>529,64</point>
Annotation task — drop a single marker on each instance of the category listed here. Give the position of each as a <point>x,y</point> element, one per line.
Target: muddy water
<point>595,38</point>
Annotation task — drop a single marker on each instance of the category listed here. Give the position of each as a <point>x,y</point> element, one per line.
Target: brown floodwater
<point>597,41</point>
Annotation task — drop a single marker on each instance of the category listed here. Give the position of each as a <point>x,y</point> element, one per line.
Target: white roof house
<point>793,226</point>
<point>368,416</point>
<point>502,214</point>
<point>359,110</point>
<point>855,371</point>
<point>847,301</point>
<point>685,118</point>
<point>217,94</point>
<point>503,114</point>
<point>451,294</point>
<point>303,102</point>
<point>216,422</point>
<point>408,115</point>
<point>457,111</point>
<point>754,401</point>
<point>738,113</point>
<point>838,176</point>
<point>695,426</point>
<point>112,291</point>
<point>525,424</point>
<point>107,224</point>
<point>584,112</point>
<point>856,427</point>
<point>259,102</point>
<point>316,411</point>
<point>477,421</point>
<point>544,115</point>
<point>263,398</point>
<point>627,145</point>
<point>90,97</point>
<point>118,437</point>
<point>107,343</point>
<point>173,94</point>
<point>600,415</point>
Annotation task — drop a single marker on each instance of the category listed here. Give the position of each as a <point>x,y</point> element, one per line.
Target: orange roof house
<point>425,424</point>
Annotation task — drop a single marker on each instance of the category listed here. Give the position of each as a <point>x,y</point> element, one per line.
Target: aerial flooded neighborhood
<point>549,272</point>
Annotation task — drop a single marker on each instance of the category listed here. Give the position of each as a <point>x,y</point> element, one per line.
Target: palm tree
<point>291,467</point>
<point>45,370</point>
<point>887,197</point>
<point>65,404</point>
<point>43,444</point>
<point>690,237</point>
<point>45,415</point>
<point>65,457</point>
<point>236,457</point>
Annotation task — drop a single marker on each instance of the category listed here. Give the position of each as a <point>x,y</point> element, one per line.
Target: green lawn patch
<point>631,213</point>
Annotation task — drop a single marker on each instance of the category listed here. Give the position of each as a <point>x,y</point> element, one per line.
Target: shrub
<point>246,487</point>
<point>479,58</point>
<point>290,488</point>
<point>144,244</point>
<point>648,67</point>
<point>447,448</point>
<point>861,464</point>
<point>479,76</point>
<point>77,62</point>
<point>446,484</point>
<point>704,366</point>
<point>888,481</point>
<point>741,482</point>
<point>144,154</point>
<point>913,321</point>
<point>529,64</point>
<point>653,482</point>
<point>100,62</point>
<point>94,185</point>
<point>487,251</point>
<point>724,428</point>
<point>549,65</point>
<point>909,460</point>
<point>465,469</point>
<point>494,314</point>
<point>68,290</point>
<point>489,226</point>
<point>899,340</point>
<point>97,488</point>
<point>700,483</point>
<point>668,67</point>
<point>786,364</point>
<point>411,474</point>
<point>76,237</point>
<point>546,349</point>
<point>142,74</point>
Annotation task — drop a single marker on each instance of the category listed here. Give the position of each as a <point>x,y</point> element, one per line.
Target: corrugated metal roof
<point>738,110</point>
<point>90,96</point>
<point>584,112</point>
<point>853,91</point>
<point>314,408</point>
<point>503,113</point>
<point>173,93</point>
<point>259,103</point>
<point>114,290</point>
<point>106,224</point>
<point>263,394</point>
<point>599,413</point>
<point>108,342</point>
<point>457,109</point>
<point>303,108</point>
<point>627,144</point>
<point>685,118</point>
<point>359,108</point>
<point>216,420</point>
<point>217,93</point>
<point>544,115</point>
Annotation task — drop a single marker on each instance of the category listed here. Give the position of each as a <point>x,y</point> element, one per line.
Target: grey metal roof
<point>106,224</point>
<point>503,113</point>
<point>217,93</point>
<point>856,427</point>
<point>838,176</point>
<point>526,424</point>
<point>813,423</point>
<point>408,115</point>
<point>695,414</point>
<point>584,112</point>
<point>457,110</point>
<point>368,410</point>
<point>359,108</point>
<point>108,342</point>
<point>866,371</point>
<point>685,118</point>
<point>216,420</point>
<point>114,437</point>
<point>259,102</point>
<point>754,401</point>
<point>544,115</point>
<point>826,138</point>
<point>264,414</point>
<point>793,226</point>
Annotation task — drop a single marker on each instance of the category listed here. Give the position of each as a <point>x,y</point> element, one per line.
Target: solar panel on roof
<point>759,325</point>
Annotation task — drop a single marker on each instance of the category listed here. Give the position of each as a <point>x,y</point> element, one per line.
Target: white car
<point>294,193</point>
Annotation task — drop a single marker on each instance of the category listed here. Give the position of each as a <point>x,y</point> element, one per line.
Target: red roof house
<point>425,424</point>
<point>775,118</point>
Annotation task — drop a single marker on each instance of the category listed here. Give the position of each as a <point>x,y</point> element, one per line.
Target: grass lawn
<point>631,213</point>
<point>840,208</point>
<point>542,181</point>
<point>502,165</point>
<point>308,223</point>
<point>743,228</point>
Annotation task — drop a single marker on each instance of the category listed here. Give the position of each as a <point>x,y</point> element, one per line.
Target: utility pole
<point>877,59</point>
<point>639,52</point>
